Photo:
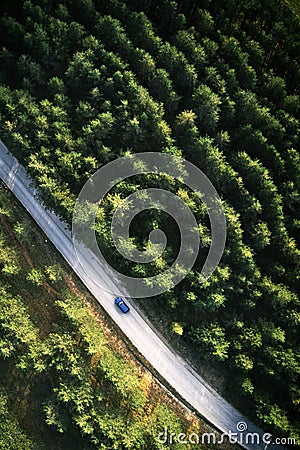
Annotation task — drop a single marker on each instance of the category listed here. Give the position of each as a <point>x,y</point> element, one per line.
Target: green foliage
<point>87,395</point>
<point>16,326</point>
<point>213,338</point>
<point>86,82</point>
<point>177,328</point>
<point>110,365</point>
<point>9,264</point>
<point>53,273</point>
<point>11,434</point>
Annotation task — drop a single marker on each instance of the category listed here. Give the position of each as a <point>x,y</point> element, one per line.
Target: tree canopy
<point>84,82</point>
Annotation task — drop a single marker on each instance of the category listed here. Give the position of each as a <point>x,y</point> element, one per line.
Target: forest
<point>67,381</point>
<point>84,82</point>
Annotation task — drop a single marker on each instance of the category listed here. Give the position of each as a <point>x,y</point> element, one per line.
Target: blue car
<point>122,305</point>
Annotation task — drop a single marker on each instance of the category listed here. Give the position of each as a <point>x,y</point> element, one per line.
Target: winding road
<point>183,379</point>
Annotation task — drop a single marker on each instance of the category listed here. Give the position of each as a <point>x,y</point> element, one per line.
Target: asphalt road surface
<point>183,379</point>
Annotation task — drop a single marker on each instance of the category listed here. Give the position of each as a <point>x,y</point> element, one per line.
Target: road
<point>183,379</point>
